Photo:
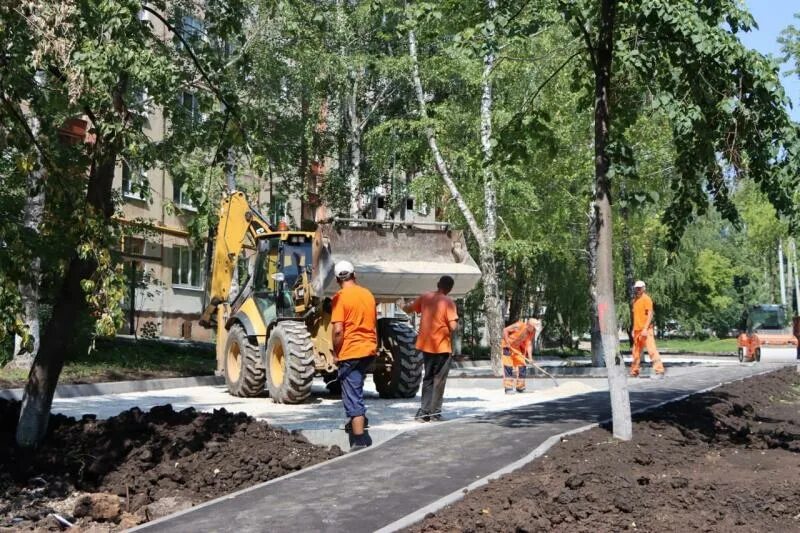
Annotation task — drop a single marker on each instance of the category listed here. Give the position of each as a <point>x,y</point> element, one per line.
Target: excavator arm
<point>239,226</point>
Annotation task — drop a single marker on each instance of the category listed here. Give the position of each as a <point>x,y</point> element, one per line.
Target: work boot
<point>422,416</point>
<point>660,375</point>
<point>359,442</point>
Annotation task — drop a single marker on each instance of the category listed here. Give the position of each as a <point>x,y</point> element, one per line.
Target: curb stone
<point>120,387</point>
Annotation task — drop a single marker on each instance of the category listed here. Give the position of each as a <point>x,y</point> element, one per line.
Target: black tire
<point>290,363</point>
<point>398,367</point>
<point>741,355</point>
<point>244,374</point>
<point>757,355</point>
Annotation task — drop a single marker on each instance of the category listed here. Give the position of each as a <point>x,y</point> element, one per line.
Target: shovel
<point>530,362</point>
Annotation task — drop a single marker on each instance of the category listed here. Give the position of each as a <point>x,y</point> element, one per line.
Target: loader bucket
<point>393,262</point>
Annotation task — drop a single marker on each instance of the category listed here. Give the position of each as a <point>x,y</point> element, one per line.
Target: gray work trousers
<point>437,365</point>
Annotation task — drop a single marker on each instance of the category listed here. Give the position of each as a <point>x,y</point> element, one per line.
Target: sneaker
<point>422,416</point>
<point>509,391</point>
<point>521,391</point>
<point>660,375</point>
<point>356,447</point>
<point>436,418</point>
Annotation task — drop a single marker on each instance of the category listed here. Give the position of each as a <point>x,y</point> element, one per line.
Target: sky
<point>772,17</point>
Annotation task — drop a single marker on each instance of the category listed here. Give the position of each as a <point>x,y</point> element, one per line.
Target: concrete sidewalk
<point>379,486</point>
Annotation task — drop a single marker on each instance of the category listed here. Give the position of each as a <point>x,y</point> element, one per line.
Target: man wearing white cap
<point>355,342</point>
<point>643,334</point>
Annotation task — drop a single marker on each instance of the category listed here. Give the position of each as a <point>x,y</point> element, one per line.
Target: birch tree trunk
<point>606,311</point>
<point>354,140</point>
<point>491,290</point>
<point>494,319</point>
<point>627,265</point>
<point>33,214</point>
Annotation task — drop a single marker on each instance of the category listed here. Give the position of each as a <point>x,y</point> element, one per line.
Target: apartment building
<point>165,268</point>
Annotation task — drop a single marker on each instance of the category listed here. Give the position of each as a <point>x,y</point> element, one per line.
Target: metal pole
<point>796,280</point>
<point>780,272</point>
<point>132,296</point>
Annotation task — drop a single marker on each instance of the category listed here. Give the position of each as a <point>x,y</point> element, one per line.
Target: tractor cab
<point>767,318</point>
<point>768,336</point>
<point>282,266</point>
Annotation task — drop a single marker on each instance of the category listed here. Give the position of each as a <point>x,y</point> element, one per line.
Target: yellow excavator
<point>276,331</point>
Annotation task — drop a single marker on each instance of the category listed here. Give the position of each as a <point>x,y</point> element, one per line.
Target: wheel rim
<point>233,364</point>
<point>276,362</point>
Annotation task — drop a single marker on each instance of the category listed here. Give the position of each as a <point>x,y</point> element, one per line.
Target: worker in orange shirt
<point>439,319</point>
<point>518,339</point>
<point>643,336</point>
<point>355,342</point>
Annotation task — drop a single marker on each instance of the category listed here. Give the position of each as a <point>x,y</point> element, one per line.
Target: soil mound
<point>726,460</point>
<point>138,466</point>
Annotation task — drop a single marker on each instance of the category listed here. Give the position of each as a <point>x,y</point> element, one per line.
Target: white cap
<point>344,269</point>
<point>639,284</point>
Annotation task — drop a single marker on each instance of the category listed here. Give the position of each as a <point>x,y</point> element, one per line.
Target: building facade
<point>165,268</point>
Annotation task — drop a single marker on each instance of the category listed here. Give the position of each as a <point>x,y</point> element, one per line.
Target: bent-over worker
<point>643,332</point>
<point>355,342</point>
<point>439,319</point>
<point>518,339</point>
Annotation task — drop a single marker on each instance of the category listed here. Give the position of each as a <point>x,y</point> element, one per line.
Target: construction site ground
<point>397,483</point>
<point>415,465</point>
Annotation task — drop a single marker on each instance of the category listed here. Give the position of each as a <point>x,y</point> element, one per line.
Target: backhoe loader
<point>276,329</point>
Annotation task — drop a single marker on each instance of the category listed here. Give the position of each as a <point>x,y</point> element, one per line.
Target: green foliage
<point>102,63</point>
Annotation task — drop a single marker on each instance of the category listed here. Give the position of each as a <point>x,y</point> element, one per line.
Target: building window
<point>187,267</point>
<point>180,196</point>
<point>133,246</point>
<point>191,29</point>
<point>142,104</point>
<point>134,181</point>
<point>190,106</point>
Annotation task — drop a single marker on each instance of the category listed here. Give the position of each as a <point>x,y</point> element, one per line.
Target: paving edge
<point>275,480</point>
<point>120,387</point>
<point>420,514</point>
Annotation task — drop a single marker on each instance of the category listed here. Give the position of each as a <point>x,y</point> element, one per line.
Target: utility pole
<point>780,272</point>
<point>796,278</point>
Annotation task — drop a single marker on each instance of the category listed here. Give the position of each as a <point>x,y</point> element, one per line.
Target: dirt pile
<point>727,460</point>
<point>138,466</point>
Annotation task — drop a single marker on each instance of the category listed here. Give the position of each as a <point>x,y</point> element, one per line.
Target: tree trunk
<point>38,395</point>
<point>33,214</point>
<point>519,295</point>
<point>354,141</point>
<point>606,311</point>
<point>494,318</point>
<point>492,300</point>
<point>627,263</point>
<point>598,355</point>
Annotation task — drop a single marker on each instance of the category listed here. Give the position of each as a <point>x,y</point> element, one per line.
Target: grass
<point>696,345</point>
<point>122,359</point>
